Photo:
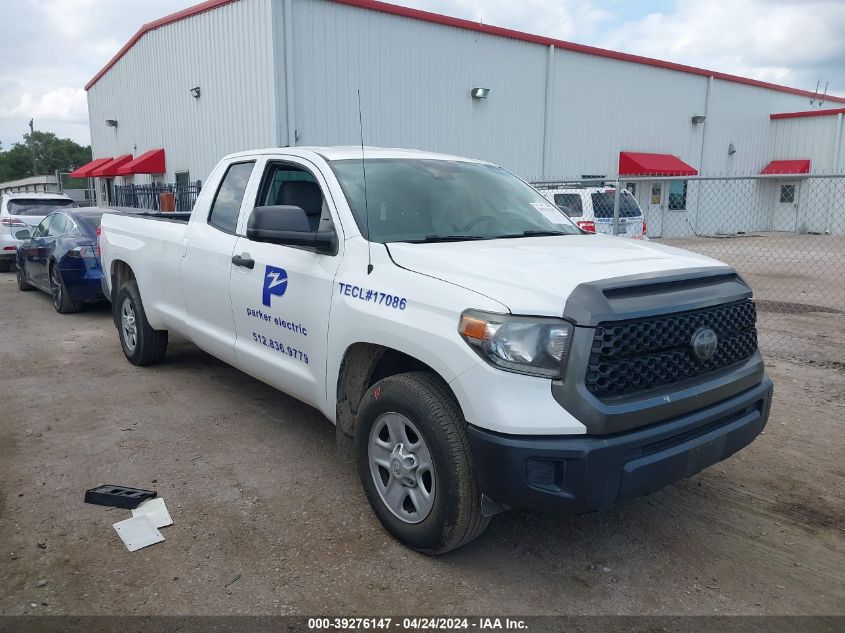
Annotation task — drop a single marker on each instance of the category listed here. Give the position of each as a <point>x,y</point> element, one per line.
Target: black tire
<point>5,266</point>
<point>455,516</point>
<point>150,345</point>
<point>59,294</point>
<point>23,284</point>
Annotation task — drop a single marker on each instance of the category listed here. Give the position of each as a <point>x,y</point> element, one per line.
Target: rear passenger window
<point>570,204</point>
<point>58,225</point>
<point>227,203</point>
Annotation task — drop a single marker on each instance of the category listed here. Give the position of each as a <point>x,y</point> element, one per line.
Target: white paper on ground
<point>137,532</point>
<point>155,510</point>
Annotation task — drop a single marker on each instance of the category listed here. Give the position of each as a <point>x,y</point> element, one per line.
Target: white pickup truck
<point>475,348</point>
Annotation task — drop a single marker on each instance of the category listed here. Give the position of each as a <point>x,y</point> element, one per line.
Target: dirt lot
<point>268,521</point>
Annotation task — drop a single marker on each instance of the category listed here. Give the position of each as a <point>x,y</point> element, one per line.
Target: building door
<point>655,192</point>
<point>785,212</point>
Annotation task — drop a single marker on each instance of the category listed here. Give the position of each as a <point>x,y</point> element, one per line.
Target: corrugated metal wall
<point>415,78</point>
<point>814,138</point>
<point>228,54</point>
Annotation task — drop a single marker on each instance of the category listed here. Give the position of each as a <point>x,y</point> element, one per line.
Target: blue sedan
<point>62,258</point>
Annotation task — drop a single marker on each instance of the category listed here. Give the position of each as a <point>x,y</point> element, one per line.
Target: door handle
<point>246,262</point>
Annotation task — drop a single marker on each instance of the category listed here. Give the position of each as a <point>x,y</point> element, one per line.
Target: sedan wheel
<point>56,287</point>
<point>58,291</point>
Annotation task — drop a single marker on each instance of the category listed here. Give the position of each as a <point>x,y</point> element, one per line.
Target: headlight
<point>527,345</point>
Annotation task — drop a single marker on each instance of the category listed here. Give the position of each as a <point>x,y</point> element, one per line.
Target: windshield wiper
<point>532,233</point>
<point>428,239</point>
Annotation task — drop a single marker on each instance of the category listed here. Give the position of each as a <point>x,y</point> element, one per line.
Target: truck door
<point>281,295</point>
<point>207,261</point>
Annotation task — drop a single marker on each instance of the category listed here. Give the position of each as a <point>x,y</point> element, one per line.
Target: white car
<point>591,208</point>
<point>19,214</point>
<point>475,349</point>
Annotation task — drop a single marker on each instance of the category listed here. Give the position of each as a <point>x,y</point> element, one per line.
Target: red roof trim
<point>151,162</point>
<point>110,168</point>
<point>437,18</point>
<point>799,166</point>
<point>642,164</point>
<point>209,5</point>
<point>807,113</point>
<point>87,168</point>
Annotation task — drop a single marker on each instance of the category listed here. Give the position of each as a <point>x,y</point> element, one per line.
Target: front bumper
<point>587,473</point>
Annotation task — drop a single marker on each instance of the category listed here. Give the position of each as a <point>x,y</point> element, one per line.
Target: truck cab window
<point>292,185</point>
<point>227,201</point>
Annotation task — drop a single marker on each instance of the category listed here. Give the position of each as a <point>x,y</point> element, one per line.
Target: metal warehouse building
<point>230,75</point>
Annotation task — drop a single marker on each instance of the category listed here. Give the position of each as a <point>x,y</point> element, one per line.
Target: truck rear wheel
<point>142,345</point>
<point>415,463</point>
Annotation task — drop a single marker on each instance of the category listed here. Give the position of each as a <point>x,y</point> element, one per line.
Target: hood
<point>536,275</point>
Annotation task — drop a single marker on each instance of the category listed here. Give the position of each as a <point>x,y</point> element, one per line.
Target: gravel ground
<point>269,521</point>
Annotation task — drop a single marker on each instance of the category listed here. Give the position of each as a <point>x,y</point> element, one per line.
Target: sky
<point>51,48</point>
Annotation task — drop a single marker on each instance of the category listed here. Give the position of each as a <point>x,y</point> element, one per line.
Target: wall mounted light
<point>479,93</point>
<point>731,149</point>
<point>697,119</point>
<point>111,123</point>
<point>195,92</point>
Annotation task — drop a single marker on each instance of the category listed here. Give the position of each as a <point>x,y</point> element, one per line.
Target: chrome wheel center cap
<point>403,465</point>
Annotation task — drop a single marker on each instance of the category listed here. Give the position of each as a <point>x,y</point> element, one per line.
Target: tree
<point>51,154</point>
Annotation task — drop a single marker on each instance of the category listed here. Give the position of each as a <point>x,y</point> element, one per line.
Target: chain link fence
<point>784,234</point>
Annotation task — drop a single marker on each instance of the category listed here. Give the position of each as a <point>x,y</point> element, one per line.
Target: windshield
<point>37,206</point>
<point>416,200</point>
<point>603,205</point>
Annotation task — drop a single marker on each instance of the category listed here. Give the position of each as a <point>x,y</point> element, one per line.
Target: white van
<point>591,208</point>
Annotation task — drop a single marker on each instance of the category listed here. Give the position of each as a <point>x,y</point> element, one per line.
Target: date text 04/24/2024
<point>416,623</point>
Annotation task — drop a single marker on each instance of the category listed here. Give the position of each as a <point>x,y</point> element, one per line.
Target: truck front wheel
<point>141,344</point>
<point>416,464</point>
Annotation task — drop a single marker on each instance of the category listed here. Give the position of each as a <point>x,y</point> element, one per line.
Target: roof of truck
<point>349,152</point>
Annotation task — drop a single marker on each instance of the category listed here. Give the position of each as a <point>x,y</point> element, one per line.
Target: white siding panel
<point>739,114</point>
<point>604,106</point>
<point>415,80</point>
<point>811,137</point>
<point>228,53</point>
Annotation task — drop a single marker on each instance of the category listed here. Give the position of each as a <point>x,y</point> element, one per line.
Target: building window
<point>227,203</point>
<point>787,193</point>
<point>677,195</point>
<point>656,192</point>
<point>632,187</point>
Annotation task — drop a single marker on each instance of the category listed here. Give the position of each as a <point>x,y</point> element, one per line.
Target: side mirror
<point>288,225</point>
<point>23,234</point>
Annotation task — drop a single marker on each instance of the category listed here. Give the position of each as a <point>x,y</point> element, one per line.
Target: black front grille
<point>632,356</point>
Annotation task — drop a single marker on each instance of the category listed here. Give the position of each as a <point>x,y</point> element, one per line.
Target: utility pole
<point>32,146</point>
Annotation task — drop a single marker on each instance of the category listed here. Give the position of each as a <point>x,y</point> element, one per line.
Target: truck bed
<point>171,216</point>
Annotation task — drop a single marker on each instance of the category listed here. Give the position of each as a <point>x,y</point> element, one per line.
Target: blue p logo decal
<point>275,283</point>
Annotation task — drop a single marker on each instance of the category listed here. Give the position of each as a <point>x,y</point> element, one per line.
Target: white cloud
<point>62,104</point>
<point>795,42</point>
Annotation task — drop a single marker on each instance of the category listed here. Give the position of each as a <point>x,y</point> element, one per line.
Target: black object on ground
<point>118,496</point>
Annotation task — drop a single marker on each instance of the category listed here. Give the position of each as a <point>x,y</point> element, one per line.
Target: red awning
<point>85,170</point>
<point>151,162</point>
<point>640,164</point>
<point>787,167</point>
<point>110,168</point>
